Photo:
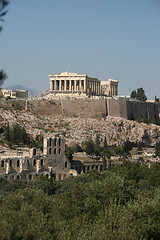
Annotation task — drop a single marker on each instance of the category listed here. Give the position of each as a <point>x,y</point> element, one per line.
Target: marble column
<point>80,85</point>
<point>85,85</point>
<point>91,87</point>
<point>55,85</point>
<point>51,85</point>
<point>60,85</point>
<point>65,85</point>
<point>69,85</point>
<point>75,86</point>
<point>96,88</point>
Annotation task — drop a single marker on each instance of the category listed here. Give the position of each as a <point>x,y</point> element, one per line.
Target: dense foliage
<point>122,202</point>
<point>3,4</point>
<point>139,94</point>
<point>17,135</point>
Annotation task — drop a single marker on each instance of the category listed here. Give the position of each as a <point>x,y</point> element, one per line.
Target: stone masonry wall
<point>88,108</point>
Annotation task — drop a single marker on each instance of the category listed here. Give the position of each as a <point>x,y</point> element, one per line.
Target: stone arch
<point>34,162</point>
<point>18,163</point>
<point>55,151</point>
<point>41,162</point>
<point>34,151</point>
<point>10,163</point>
<point>50,151</point>
<point>2,163</point>
<point>50,142</point>
<point>55,140</point>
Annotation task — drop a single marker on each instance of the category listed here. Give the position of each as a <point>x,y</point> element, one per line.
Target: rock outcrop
<point>117,130</point>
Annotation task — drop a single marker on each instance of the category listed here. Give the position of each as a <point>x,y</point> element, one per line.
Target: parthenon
<point>67,83</point>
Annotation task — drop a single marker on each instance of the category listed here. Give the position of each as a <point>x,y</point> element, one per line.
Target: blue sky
<point>117,39</point>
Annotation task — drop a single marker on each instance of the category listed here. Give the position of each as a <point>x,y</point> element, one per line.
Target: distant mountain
<point>31,92</point>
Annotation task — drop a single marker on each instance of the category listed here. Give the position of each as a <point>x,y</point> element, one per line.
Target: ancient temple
<point>68,83</point>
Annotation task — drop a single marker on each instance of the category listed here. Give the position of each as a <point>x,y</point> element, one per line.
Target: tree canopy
<point>139,94</point>
<point>122,202</point>
<point>3,11</point>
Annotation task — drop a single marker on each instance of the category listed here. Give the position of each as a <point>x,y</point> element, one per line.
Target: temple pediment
<point>64,74</point>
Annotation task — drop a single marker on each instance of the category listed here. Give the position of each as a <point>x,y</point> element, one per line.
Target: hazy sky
<point>117,39</point>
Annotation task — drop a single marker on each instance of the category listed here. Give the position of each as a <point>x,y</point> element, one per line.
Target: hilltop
<point>77,129</point>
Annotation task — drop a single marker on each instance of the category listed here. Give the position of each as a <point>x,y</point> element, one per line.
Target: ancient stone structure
<point>83,163</point>
<point>14,94</point>
<point>51,161</point>
<point>68,83</point>
<point>109,88</point>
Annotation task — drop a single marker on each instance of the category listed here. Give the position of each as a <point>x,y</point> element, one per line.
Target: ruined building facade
<point>68,83</point>
<point>52,161</point>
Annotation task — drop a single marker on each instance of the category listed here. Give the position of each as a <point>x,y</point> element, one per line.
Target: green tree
<point>139,94</point>
<point>118,151</point>
<point>139,146</point>
<point>3,4</point>
<point>105,144</point>
<point>157,150</point>
<point>68,153</point>
<point>7,133</point>
<point>133,94</point>
<point>89,147</point>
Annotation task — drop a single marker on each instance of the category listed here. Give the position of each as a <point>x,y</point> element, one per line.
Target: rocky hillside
<point>117,131</point>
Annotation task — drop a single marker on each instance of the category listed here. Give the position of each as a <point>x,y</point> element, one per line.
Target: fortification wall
<point>45,107</point>
<point>92,108</point>
<point>138,110</point>
<point>117,108</point>
<point>134,110</point>
<point>88,108</point>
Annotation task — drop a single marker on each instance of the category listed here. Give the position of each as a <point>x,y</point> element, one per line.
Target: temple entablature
<point>68,83</point>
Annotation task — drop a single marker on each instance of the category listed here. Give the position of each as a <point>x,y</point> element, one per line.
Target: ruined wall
<point>16,104</point>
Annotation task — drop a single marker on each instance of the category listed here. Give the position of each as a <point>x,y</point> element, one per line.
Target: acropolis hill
<point>78,106</point>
